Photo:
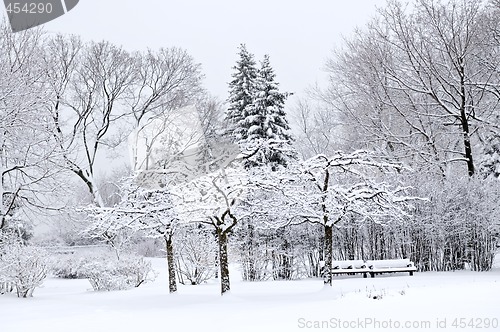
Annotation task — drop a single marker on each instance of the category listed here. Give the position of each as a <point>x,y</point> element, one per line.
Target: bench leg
<point>364,275</point>
<point>372,274</point>
<point>411,273</point>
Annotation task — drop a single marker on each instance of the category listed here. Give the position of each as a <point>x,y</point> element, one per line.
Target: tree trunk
<point>465,122</point>
<point>223,261</point>
<point>91,186</point>
<point>328,254</point>
<point>172,284</point>
<point>467,143</point>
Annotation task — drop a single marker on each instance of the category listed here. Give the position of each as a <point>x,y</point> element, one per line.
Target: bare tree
<point>167,80</point>
<point>318,129</point>
<point>27,150</point>
<point>410,81</point>
<point>89,85</point>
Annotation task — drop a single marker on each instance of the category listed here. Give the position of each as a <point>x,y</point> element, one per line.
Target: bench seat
<point>373,267</point>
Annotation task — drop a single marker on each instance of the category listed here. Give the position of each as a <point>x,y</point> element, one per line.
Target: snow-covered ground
<point>429,301</point>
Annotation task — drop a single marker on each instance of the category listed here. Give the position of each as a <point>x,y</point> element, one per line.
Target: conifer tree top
<point>241,93</point>
<point>256,113</point>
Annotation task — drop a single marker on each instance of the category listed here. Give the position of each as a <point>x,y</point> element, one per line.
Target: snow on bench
<point>373,267</point>
<point>354,264</point>
<point>350,267</point>
<point>390,266</point>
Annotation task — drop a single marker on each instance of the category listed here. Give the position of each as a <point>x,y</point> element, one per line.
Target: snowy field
<point>429,301</point>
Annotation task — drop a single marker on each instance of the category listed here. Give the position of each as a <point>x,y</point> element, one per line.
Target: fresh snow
<point>69,305</point>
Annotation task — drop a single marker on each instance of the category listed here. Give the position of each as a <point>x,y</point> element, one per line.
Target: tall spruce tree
<point>241,95</point>
<point>256,118</point>
<point>270,115</point>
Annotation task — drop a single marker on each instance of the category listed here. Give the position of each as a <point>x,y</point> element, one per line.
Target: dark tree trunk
<point>465,123</point>
<point>172,284</point>
<point>328,254</point>
<point>283,257</point>
<point>467,144</point>
<point>223,261</point>
<point>216,259</point>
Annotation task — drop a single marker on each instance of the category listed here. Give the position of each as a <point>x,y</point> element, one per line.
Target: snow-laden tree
<point>256,112</point>
<point>346,184</point>
<point>28,160</point>
<point>214,199</point>
<point>101,93</point>
<point>266,120</point>
<point>258,122</point>
<point>271,102</point>
<point>144,211</point>
<point>23,268</point>
<point>241,95</point>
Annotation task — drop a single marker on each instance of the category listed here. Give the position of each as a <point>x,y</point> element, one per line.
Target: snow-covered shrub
<point>136,270</point>
<point>196,254</point>
<point>69,266</point>
<point>6,287</point>
<point>106,273</point>
<point>23,269</point>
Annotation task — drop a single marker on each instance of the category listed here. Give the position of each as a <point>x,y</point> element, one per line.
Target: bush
<point>69,266</point>
<point>23,269</point>
<point>106,273</point>
<point>196,255</point>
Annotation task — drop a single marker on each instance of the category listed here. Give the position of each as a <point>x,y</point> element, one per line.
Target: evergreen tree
<point>256,118</point>
<point>271,103</point>
<point>241,95</point>
<point>266,119</point>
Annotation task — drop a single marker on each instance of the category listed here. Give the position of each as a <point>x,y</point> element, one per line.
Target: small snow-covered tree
<point>150,212</point>
<point>344,184</point>
<point>213,199</point>
<point>23,267</point>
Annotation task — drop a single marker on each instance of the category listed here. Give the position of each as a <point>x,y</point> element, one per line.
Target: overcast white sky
<point>298,35</point>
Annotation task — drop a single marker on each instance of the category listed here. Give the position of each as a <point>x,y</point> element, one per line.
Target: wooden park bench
<point>373,267</point>
<point>350,267</point>
<point>390,266</point>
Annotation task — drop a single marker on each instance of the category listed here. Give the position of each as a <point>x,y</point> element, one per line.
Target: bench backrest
<point>353,264</point>
<point>389,263</point>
